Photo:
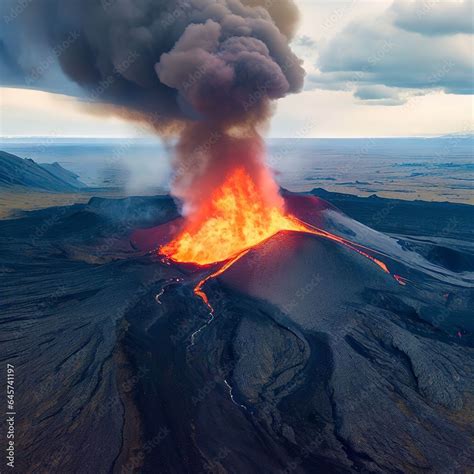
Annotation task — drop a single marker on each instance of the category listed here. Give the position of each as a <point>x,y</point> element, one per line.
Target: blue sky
<point>377,68</point>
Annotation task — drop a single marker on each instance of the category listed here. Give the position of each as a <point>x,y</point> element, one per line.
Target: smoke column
<point>206,70</point>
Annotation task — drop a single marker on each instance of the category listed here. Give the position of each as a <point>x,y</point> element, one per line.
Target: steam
<point>207,70</point>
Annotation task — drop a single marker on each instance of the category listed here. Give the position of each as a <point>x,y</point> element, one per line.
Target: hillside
<point>23,173</point>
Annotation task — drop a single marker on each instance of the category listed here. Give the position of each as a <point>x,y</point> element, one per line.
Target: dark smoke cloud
<point>194,66</point>
<point>189,55</point>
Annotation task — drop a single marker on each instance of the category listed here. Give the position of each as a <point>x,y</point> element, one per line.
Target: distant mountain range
<point>458,135</point>
<point>24,173</point>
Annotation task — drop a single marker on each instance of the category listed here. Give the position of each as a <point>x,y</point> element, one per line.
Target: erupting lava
<point>236,218</point>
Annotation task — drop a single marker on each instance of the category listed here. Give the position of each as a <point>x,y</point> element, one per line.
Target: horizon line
<point>151,137</point>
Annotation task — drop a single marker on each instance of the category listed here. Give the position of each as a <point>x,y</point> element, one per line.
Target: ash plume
<point>196,68</point>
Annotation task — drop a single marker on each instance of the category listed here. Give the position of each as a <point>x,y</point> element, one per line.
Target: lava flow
<point>235,219</point>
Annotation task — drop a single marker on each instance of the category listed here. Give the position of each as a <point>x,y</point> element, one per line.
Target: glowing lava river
<point>235,219</point>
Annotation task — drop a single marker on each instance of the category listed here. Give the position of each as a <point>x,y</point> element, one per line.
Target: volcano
<point>236,218</point>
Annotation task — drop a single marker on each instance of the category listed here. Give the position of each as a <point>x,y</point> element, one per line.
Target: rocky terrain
<point>308,358</point>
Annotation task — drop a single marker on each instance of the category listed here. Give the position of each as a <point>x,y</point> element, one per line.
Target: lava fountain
<point>235,218</point>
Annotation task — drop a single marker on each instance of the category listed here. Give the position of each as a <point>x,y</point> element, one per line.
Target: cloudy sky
<point>378,68</point>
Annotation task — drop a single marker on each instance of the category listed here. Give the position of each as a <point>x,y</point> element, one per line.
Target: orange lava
<point>236,218</point>
<point>198,289</point>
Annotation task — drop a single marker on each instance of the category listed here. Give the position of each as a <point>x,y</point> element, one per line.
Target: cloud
<point>434,18</point>
<point>379,95</point>
<point>371,56</point>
